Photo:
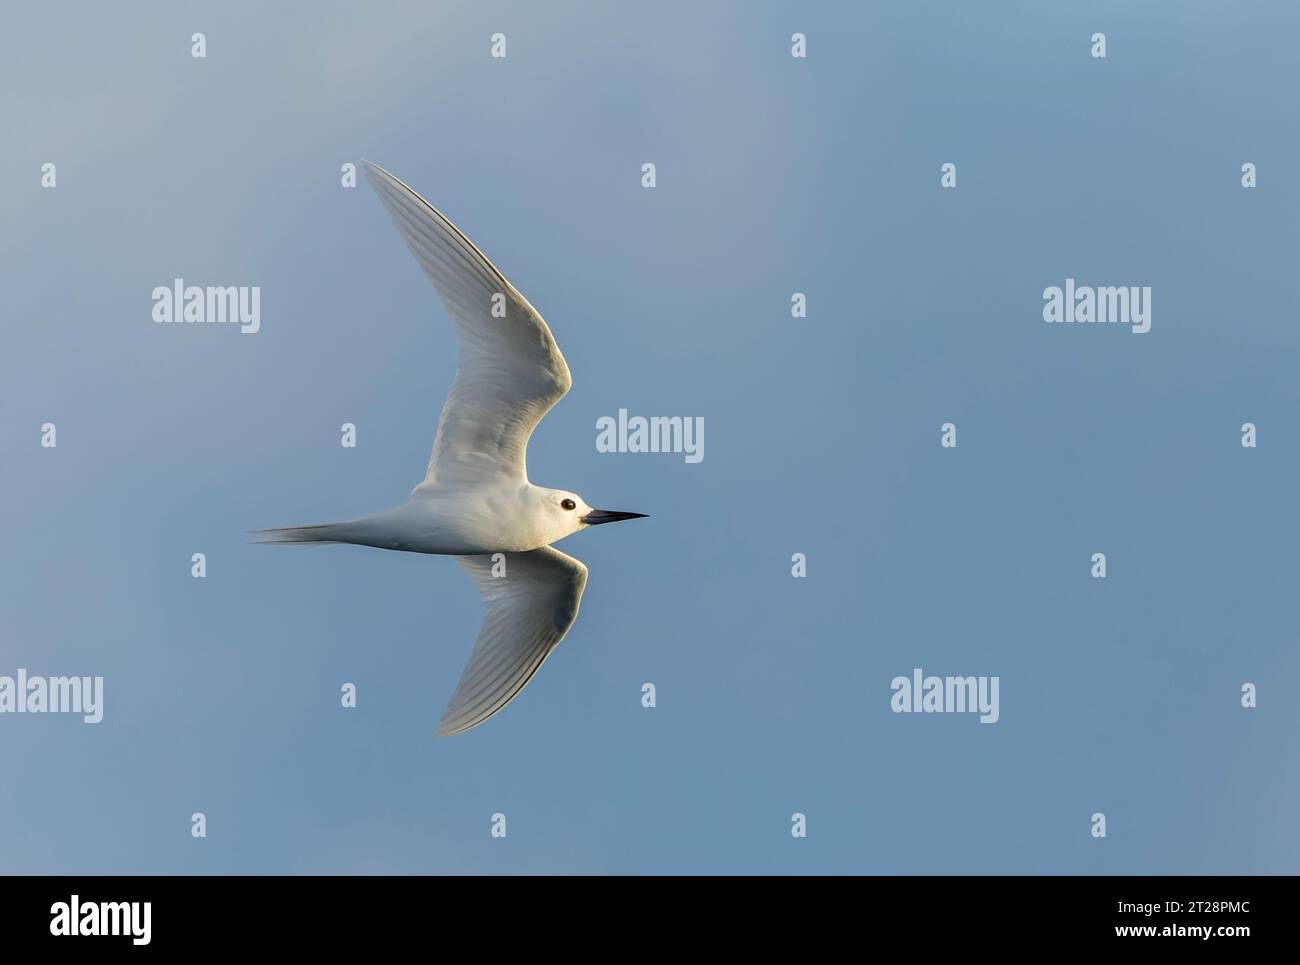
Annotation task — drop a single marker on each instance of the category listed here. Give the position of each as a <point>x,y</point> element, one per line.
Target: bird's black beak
<point>598,516</point>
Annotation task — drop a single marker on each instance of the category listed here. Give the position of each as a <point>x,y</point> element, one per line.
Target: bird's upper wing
<point>511,371</point>
<point>530,608</point>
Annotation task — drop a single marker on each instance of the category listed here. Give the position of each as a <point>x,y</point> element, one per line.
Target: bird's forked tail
<point>320,533</point>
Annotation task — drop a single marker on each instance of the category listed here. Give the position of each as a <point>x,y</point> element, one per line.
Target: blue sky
<point>775,175</point>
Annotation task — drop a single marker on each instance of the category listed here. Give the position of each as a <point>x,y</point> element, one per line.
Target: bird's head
<point>568,512</point>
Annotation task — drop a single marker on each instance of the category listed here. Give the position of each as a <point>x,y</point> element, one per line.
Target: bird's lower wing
<point>532,600</point>
<point>511,371</point>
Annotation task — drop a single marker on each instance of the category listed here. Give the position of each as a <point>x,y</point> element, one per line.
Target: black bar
<point>338,913</point>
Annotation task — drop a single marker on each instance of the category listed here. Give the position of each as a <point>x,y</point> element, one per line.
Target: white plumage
<point>475,499</point>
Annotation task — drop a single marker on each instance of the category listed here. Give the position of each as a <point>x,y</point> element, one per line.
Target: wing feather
<point>529,610</point>
<point>511,371</point>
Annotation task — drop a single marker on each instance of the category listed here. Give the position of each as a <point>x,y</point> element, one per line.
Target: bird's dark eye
<point>568,504</point>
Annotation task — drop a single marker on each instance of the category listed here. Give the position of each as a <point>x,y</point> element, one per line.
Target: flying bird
<point>475,500</point>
